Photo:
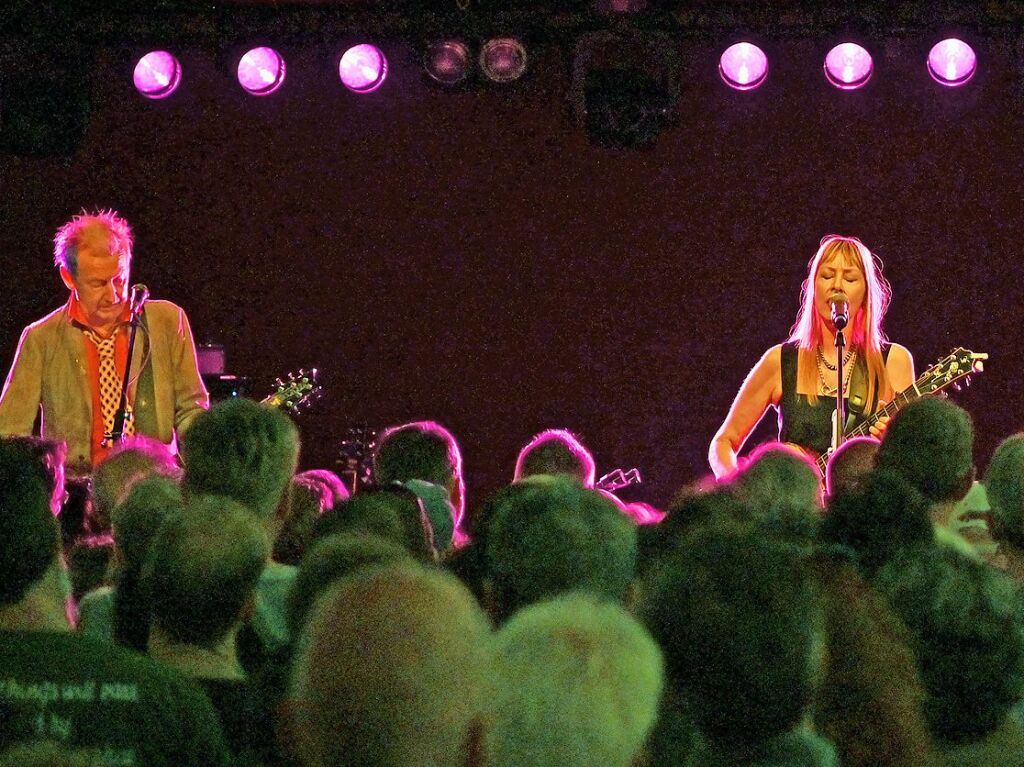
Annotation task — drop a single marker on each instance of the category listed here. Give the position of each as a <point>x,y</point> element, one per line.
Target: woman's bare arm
<point>762,387</point>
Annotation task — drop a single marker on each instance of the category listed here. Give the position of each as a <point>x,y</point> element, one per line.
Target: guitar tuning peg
<point>956,385</point>
<point>967,381</point>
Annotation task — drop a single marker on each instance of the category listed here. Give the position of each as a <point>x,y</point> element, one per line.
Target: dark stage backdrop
<point>470,257</point>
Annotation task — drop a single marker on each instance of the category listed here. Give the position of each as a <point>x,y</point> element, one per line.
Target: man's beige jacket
<point>50,373</point>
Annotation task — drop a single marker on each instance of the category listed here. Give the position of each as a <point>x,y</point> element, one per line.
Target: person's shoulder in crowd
<point>89,693</point>
<point>246,720</point>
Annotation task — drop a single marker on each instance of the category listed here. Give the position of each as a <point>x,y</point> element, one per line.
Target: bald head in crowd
<point>391,670</point>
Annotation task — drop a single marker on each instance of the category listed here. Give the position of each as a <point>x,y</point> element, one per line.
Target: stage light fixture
<point>157,74</point>
<point>363,68</point>
<point>743,66</point>
<point>447,62</point>
<point>952,62</point>
<point>503,59</point>
<point>848,66</point>
<point>625,86</point>
<point>261,71</point>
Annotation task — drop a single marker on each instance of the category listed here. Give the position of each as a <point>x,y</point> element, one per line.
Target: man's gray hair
<point>391,669</point>
<point>577,683</point>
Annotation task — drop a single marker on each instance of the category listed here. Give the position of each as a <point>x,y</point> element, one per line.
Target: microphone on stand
<point>840,310</point>
<point>139,296</point>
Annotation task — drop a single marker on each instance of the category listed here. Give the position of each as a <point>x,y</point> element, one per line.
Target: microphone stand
<point>122,415</point>
<point>840,424</point>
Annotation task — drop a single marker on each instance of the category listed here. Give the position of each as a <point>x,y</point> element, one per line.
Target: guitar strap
<point>858,395</point>
<point>859,389</point>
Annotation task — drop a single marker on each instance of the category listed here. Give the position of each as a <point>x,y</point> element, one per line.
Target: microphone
<point>840,310</point>
<point>139,296</point>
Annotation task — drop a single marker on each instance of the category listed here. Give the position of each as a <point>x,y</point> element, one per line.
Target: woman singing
<point>799,377</point>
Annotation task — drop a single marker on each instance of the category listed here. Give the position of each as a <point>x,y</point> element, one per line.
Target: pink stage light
<point>503,59</point>
<point>743,66</point>
<point>848,66</point>
<point>157,75</point>
<point>447,62</point>
<point>363,68</point>
<point>952,62</point>
<point>261,71</point>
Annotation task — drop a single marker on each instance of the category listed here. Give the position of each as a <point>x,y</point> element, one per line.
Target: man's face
<point>101,282</point>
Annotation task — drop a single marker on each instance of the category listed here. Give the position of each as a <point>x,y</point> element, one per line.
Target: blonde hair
<point>865,333</point>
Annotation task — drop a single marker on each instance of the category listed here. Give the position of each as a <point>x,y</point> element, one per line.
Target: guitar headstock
<point>959,364</point>
<point>296,391</point>
<point>355,457</point>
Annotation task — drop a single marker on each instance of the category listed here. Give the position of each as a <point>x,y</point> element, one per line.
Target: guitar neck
<point>862,429</point>
<point>959,364</point>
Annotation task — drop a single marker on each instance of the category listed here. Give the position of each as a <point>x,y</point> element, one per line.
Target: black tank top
<point>807,425</point>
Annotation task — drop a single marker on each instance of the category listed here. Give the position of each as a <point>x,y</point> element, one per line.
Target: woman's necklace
<point>849,359</point>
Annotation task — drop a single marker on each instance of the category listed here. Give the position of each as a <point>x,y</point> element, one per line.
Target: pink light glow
<point>743,66</point>
<point>952,62</point>
<point>848,66</point>
<point>261,71</point>
<point>448,62</point>
<point>157,75</point>
<point>363,68</point>
<point>503,59</point>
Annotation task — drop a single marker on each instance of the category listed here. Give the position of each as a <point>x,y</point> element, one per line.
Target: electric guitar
<point>959,364</point>
<point>296,392</point>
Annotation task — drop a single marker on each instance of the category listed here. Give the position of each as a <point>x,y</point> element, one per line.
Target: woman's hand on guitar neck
<point>879,427</point>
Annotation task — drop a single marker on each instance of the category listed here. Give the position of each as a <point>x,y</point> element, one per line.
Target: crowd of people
<point>224,608</point>
<point>174,591</point>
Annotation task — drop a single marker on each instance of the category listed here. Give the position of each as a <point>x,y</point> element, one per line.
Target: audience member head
<point>134,459</point>
<point>878,519</point>
<point>202,570</point>
<point>551,535</point>
<point>245,451</point>
<point>29,554</point>
<point>394,513</point>
<point>88,563</point>
<point>308,500</point>
<point>968,623</point>
<point>693,507</point>
<point>930,443</point>
<point>331,482</point>
<point>577,683</point>
<point>1004,483</point>
<point>849,465</point>
<point>423,450</point>
<point>781,486</point>
<point>50,456</point>
<point>135,523</point>
<point>334,557</point>
<point>870,699</point>
<point>76,511</point>
<point>392,668</point>
<point>738,619</point>
<point>137,519</point>
<point>556,452</point>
